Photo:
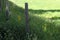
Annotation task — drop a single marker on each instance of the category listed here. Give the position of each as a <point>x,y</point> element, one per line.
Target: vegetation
<point>44,25</point>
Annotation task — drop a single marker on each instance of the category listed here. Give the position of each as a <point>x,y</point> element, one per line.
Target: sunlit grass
<point>47,14</point>
<point>48,17</point>
<point>44,27</point>
<point>38,4</point>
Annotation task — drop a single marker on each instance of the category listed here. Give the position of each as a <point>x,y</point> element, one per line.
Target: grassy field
<point>43,25</point>
<point>38,4</point>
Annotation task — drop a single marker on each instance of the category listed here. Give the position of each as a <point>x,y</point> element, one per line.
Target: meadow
<point>44,25</point>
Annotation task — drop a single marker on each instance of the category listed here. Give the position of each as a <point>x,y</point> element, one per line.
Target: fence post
<point>27,21</point>
<point>7,11</point>
<point>0,5</point>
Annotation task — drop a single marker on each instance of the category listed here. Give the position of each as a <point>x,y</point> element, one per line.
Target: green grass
<point>43,25</point>
<point>38,4</point>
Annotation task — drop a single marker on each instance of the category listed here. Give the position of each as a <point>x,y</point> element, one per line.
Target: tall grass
<point>43,25</point>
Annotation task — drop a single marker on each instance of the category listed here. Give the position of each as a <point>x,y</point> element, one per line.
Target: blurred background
<point>43,15</point>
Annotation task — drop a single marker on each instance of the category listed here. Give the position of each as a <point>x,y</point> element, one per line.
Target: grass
<point>43,25</point>
<point>38,4</point>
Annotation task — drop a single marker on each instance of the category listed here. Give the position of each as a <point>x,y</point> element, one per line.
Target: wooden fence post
<point>0,5</point>
<point>27,20</point>
<point>7,11</point>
